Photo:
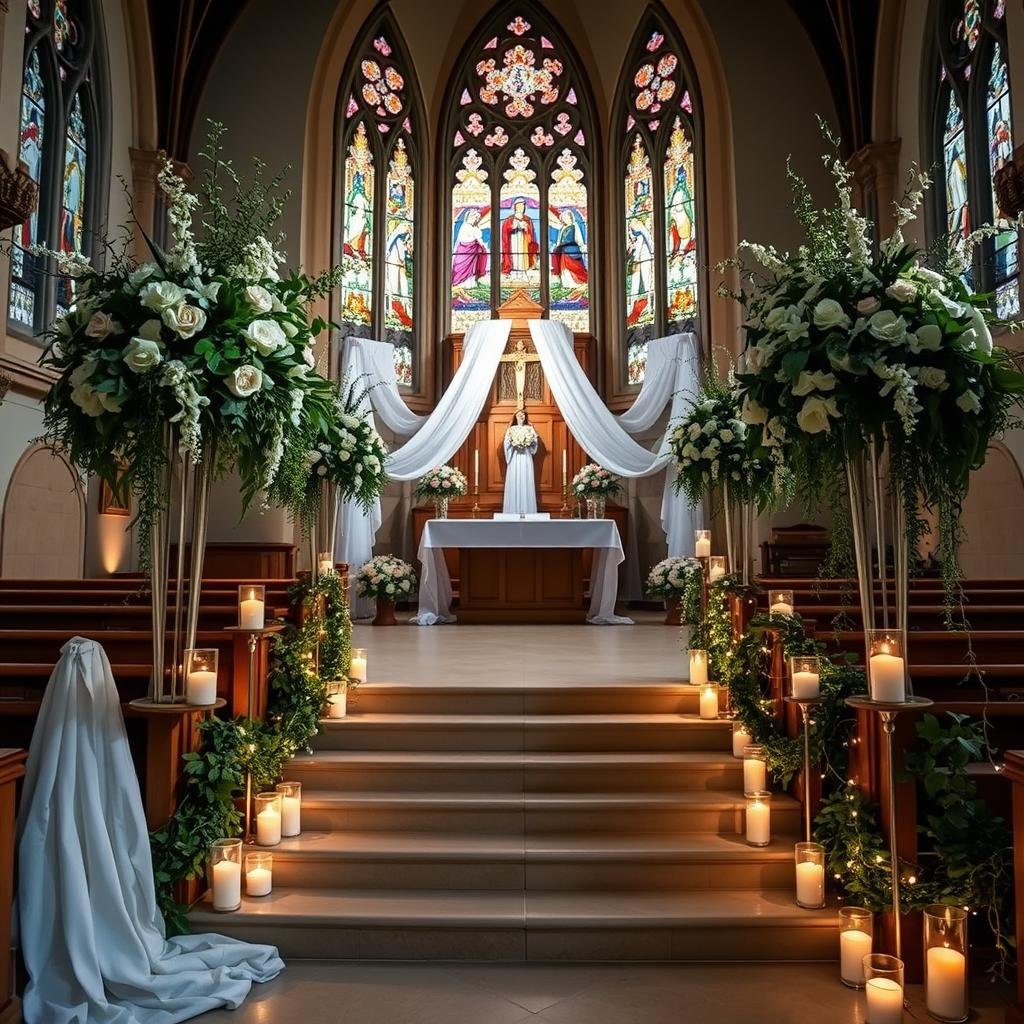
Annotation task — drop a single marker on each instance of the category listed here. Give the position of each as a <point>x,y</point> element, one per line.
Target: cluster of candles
<point>278,815</point>
<point>337,690</point>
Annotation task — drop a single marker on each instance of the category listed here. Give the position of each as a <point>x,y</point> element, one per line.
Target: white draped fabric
<point>89,929</point>
<point>520,485</point>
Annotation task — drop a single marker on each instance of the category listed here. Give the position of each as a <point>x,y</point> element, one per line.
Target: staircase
<point>556,822</point>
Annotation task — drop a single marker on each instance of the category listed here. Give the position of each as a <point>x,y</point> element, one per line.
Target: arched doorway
<point>43,519</point>
<point>991,519</point>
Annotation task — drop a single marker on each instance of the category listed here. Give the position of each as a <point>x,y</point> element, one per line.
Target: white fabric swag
<point>671,380</point>
<point>88,924</point>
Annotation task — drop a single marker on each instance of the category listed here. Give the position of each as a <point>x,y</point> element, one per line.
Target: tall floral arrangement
<point>594,481</point>
<point>206,345</point>
<point>442,482</point>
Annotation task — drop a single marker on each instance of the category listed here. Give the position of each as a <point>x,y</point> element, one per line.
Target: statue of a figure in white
<point>520,448</point>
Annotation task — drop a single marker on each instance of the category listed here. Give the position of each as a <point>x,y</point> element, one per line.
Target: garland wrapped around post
<point>215,774</point>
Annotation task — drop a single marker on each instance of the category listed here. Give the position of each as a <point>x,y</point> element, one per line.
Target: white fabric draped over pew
<point>671,380</point>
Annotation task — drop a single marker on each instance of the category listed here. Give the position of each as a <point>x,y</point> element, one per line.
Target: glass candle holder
<point>856,931</point>
<point>804,677</point>
<point>325,561</point>
<point>887,666</point>
<point>337,698</point>
<point>268,819</point>
<point>259,874</point>
<point>945,962</point>
<point>780,602</point>
<point>810,875</point>
<point>883,984</point>
<point>759,818</point>
<point>291,807</point>
<point>698,666</point>
<point>755,769</point>
<point>741,739</point>
<point>201,675</point>
<point>226,874</point>
<point>252,607</point>
<point>357,665</point>
<point>716,567</point>
<point>702,543</point>
<point>709,702</point>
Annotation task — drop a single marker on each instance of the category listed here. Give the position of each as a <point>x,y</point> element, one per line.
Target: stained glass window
<point>58,130</point>
<point>661,205</point>
<point>974,138</point>
<point>377,183</point>
<point>519,171</point>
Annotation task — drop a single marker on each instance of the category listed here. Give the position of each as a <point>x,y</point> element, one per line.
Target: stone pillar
<point>875,180</point>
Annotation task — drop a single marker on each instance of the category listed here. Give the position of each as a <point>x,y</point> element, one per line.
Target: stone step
<point>473,813</point>
<point>602,861</point>
<point>523,732</point>
<point>516,771</point>
<point>553,699</point>
<point>709,925</point>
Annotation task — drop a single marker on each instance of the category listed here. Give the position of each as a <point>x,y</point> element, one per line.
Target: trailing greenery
<point>303,659</point>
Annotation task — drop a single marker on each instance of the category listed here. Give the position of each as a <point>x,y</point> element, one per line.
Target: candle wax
<point>268,827</point>
<point>698,669</point>
<point>782,608</point>
<point>251,614</point>
<point>227,885</point>
<point>702,548</point>
<point>854,945</point>
<point>258,882</point>
<point>357,669</point>
<point>291,811</point>
<point>810,884</point>
<point>337,705</point>
<point>885,1001</point>
<point>887,673</point>
<point>709,703</point>
<point>759,823</point>
<point>740,740</point>
<point>326,565</point>
<point>945,986</point>
<point>201,687</point>
<point>716,573</point>
<point>806,685</point>
<point>753,775</point>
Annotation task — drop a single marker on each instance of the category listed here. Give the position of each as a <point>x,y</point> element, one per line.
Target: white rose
<point>752,412</point>
<point>931,376</point>
<point>930,277</point>
<point>726,435</point>
<point>185,320</point>
<point>259,298</point>
<point>101,325</point>
<point>808,382</point>
<point>390,588</point>
<point>265,336</point>
<point>138,277</point>
<point>901,290</point>
<point>142,354</point>
<point>977,335</point>
<point>828,313</point>
<point>776,318</point>
<point>158,295</point>
<point>928,337</point>
<point>868,305</point>
<point>83,371</point>
<point>86,398</point>
<point>969,402</point>
<point>244,381</point>
<point>693,431</point>
<point>887,326</point>
<point>814,413</point>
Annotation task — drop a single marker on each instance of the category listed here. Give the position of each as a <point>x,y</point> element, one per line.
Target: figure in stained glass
<point>398,243</point>
<point>518,242</point>
<point>680,228</point>
<point>640,250</point>
<point>471,243</point>
<point>955,160</point>
<point>520,228</point>
<point>357,233</point>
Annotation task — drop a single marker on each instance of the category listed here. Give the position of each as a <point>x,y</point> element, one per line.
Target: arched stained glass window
<point>658,139</point>
<point>519,172</point>
<point>61,141</point>
<point>378,167</point>
<point>973,137</point>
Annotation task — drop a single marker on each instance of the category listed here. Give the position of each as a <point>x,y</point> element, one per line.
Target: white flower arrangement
<point>593,481</point>
<point>678,579</point>
<point>442,482</point>
<point>386,578</point>
<point>521,438</point>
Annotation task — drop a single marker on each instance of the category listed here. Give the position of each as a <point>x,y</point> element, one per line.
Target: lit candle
<point>258,882</point>
<point>740,739</point>
<point>357,665</point>
<point>326,564</point>
<point>806,685</point>
<point>854,945</point>
<point>946,983</point>
<point>759,822</point>
<point>565,469</point>
<point>716,572</point>
<point>885,1001</point>
<point>268,827</point>
<point>291,815</point>
<point>782,608</point>
<point>709,702</point>
<point>887,675</point>
<point>201,687</point>
<point>227,885</point>
<point>810,884</point>
<point>698,667</point>
<point>337,703</point>
<point>251,612</point>
<point>754,775</point>
<point>702,547</point>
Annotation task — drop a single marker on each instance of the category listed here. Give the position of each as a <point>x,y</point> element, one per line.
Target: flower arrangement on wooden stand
<point>386,579</point>
<point>677,581</point>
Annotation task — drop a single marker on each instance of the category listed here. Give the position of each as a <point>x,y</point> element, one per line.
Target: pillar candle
<point>476,469</point>
<point>326,565</point>
<point>337,704</point>
<point>709,702</point>
<point>759,817</point>
<point>291,815</point>
<point>885,1001</point>
<point>854,945</point>
<point>740,739</point>
<point>258,882</point>
<point>227,885</point>
<point>810,884</point>
<point>753,775</point>
<point>716,572</point>
<point>357,668</point>
<point>945,987</point>
<point>702,547</point>
<point>887,673</point>
<point>806,685</point>
<point>698,668</point>
<point>201,687</point>
<point>782,608</point>
<point>565,470</point>
<point>251,614</point>
<point>268,827</point>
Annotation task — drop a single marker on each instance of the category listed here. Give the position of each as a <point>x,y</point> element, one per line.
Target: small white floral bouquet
<point>522,438</point>
<point>678,579</point>
<point>593,481</point>
<point>386,578</point>
<point>442,482</point>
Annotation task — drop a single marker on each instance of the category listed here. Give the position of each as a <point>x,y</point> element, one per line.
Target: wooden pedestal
<point>521,585</point>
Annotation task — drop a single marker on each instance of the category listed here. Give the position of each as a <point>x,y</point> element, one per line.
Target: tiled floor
<point>325,992</point>
<point>512,655</point>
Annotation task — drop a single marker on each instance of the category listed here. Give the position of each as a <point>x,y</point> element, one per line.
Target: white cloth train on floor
<point>88,925</point>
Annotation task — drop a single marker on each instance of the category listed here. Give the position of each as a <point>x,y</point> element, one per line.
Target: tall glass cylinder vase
<point>596,506</point>
<point>440,508</point>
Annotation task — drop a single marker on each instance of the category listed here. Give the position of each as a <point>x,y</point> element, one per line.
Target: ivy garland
<point>215,773</point>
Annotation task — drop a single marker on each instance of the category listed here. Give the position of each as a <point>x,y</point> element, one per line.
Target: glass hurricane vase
<point>595,506</point>
<point>440,508</point>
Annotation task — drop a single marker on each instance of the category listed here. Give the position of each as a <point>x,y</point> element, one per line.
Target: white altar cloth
<point>600,534</point>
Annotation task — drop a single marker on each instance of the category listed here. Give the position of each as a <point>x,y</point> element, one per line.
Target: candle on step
<point>855,938</point>
<point>201,676</point>
<point>698,666</point>
<point>709,701</point>
<point>886,666</point>
<point>740,739</point>
<point>226,874</point>
<point>810,875</point>
<point>337,698</point>
<point>755,769</point>
<point>357,665</point>
<point>259,877</point>
<point>759,818</point>
<point>945,969</point>
<point>268,819</point>
<point>291,807</point>
<point>251,607</point>
<point>885,1001</point>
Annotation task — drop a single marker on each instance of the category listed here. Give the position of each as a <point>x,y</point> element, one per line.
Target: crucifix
<point>519,358</point>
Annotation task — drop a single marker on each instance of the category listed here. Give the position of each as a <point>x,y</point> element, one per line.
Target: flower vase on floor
<point>385,613</point>
<point>440,508</point>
